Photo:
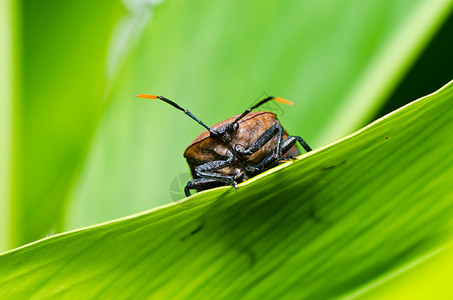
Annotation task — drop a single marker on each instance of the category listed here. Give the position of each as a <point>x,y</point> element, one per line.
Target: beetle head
<point>225,132</point>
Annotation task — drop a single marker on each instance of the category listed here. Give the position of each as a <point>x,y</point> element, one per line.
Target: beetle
<point>238,148</point>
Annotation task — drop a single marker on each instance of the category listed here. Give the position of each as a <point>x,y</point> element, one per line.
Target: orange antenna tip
<point>281,100</point>
<point>146,96</point>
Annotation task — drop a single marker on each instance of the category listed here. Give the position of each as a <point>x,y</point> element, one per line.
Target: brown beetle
<point>238,148</point>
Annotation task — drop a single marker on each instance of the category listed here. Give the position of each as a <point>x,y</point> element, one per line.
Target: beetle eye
<point>233,127</point>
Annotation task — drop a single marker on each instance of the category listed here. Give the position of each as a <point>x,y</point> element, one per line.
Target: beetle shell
<point>206,149</point>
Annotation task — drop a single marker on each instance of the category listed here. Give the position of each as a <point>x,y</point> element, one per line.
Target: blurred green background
<point>78,148</point>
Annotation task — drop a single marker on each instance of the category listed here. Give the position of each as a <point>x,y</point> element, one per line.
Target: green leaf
<point>412,279</point>
<point>60,50</point>
<point>336,59</point>
<point>7,73</point>
<point>320,227</point>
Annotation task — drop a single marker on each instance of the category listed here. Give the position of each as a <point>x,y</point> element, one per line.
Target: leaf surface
<point>319,227</point>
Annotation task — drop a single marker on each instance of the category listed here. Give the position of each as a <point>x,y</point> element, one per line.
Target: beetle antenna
<point>178,107</point>
<point>248,110</point>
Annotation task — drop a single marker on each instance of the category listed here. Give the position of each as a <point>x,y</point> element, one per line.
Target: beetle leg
<point>201,184</point>
<point>213,166</point>
<point>286,145</point>
<point>225,179</point>
<point>291,141</point>
<point>208,178</point>
<point>260,167</point>
<point>207,171</point>
<point>274,130</point>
